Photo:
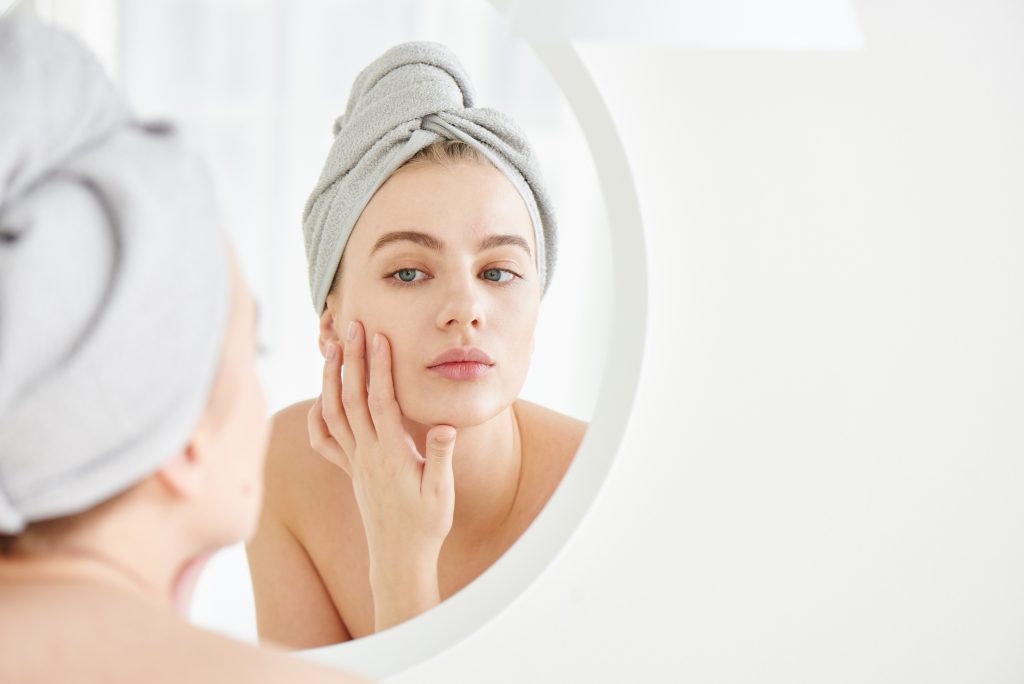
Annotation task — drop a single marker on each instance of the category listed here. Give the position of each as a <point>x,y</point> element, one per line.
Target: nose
<point>463,305</point>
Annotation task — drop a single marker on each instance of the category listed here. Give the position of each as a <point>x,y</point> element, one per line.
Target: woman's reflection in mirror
<point>418,466</point>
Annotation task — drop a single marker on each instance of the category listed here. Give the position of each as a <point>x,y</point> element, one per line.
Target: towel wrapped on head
<point>114,288</point>
<point>413,95</point>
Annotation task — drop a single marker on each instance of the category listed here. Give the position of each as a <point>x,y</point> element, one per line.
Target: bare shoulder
<point>293,574</point>
<point>550,440</point>
<point>230,659</point>
<point>103,634</point>
<point>291,420</point>
<point>548,429</point>
<point>226,659</point>
<point>294,470</point>
<point>302,487</point>
<point>289,435</point>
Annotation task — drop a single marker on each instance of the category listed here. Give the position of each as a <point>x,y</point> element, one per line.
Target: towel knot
<point>413,95</point>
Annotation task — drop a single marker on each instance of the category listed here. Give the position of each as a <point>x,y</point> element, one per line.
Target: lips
<point>462,363</point>
<point>462,355</point>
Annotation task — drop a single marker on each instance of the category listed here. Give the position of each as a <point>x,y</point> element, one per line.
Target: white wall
<point>822,480</point>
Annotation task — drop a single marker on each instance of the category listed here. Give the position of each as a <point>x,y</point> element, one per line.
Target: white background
<point>822,477</point>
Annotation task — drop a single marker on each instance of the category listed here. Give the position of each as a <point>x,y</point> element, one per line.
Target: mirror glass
<point>260,107</point>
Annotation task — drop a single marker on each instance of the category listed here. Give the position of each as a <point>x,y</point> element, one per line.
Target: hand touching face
<point>406,499</point>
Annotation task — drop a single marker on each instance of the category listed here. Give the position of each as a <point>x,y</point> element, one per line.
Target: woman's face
<point>442,257</point>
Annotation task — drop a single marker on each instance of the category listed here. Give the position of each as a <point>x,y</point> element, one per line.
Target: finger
<point>384,409</point>
<point>353,393</point>
<point>437,471</point>
<point>322,441</point>
<point>332,411</point>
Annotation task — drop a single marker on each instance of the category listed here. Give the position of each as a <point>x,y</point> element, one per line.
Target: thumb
<point>440,447</point>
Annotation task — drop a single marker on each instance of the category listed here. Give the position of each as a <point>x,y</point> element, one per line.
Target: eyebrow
<point>492,241</point>
<point>422,239</point>
<point>431,242</point>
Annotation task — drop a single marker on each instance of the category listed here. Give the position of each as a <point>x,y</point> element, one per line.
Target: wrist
<point>401,592</point>
<point>410,575</point>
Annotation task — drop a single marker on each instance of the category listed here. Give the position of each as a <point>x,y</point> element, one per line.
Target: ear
<point>182,474</point>
<point>327,331</point>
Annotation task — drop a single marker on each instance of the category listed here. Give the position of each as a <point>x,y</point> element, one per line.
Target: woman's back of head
<point>114,285</point>
<point>132,427</point>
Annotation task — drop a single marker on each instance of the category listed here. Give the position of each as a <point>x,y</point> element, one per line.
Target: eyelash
<point>404,283</point>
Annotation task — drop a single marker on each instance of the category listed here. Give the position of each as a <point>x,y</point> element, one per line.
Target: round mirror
<point>261,106</point>
<point>415,641</point>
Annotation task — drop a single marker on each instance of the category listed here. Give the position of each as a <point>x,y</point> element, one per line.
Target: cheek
<point>253,434</point>
<point>517,333</point>
<point>374,319</point>
<point>406,361</point>
<point>365,301</point>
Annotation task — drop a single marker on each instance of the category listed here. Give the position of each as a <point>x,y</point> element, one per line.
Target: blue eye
<point>498,275</point>
<point>407,275</point>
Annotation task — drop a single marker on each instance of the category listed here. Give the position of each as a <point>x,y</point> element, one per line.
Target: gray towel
<point>411,96</point>
<point>113,284</point>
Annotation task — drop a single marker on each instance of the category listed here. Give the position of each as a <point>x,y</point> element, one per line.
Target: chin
<point>430,400</point>
<point>457,411</point>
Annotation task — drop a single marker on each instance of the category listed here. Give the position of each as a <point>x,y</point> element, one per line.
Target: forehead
<point>458,204</point>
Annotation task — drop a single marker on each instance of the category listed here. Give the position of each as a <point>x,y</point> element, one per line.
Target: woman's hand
<point>406,500</point>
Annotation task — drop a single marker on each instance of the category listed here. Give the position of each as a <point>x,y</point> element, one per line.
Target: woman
<point>132,429</point>
<point>430,241</point>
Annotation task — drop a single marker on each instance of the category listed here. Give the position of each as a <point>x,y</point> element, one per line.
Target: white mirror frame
<point>406,645</point>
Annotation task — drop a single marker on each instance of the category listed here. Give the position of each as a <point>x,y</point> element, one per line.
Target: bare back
<point>311,538</point>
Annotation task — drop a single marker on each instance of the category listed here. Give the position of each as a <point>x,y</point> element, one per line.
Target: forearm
<point>402,591</point>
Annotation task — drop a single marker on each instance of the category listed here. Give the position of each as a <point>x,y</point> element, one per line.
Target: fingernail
<point>350,334</point>
<point>332,351</point>
<point>376,341</point>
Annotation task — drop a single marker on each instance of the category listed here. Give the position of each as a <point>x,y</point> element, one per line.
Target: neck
<point>487,465</point>
<point>104,553</point>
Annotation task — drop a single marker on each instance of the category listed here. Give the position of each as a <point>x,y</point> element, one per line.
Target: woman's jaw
<point>429,396</point>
